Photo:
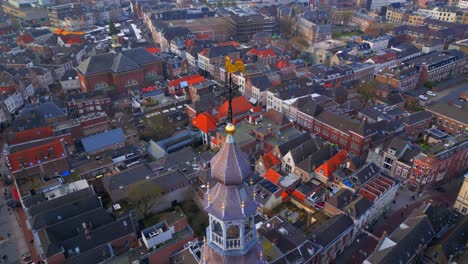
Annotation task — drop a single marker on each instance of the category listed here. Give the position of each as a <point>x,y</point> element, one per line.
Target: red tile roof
<point>205,122</point>
<point>261,52</point>
<point>299,195</point>
<point>378,186</point>
<point>26,38</point>
<point>229,43</point>
<point>148,89</point>
<point>31,157</point>
<point>71,39</point>
<point>58,31</point>
<point>239,105</point>
<point>283,64</point>
<point>153,50</point>
<point>389,56</point>
<point>272,176</point>
<point>7,90</point>
<point>202,36</point>
<point>270,160</point>
<point>32,134</point>
<point>266,53</point>
<point>191,80</point>
<point>332,164</point>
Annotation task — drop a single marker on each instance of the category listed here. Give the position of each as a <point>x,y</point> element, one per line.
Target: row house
<point>215,57</point>
<point>178,86</point>
<point>258,87</point>
<point>350,135</point>
<point>341,225</point>
<point>163,33</point>
<point>47,157</point>
<point>281,97</point>
<point>440,163</point>
<point>437,66</point>
<point>417,123</point>
<point>362,71</point>
<point>401,78</point>
<point>382,191</point>
<point>331,77</point>
<point>357,207</point>
<point>85,103</point>
<point>119,71</point>
<point>449,118</point>
<point>386,60</point>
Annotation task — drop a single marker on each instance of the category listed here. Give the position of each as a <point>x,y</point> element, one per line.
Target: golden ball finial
<point>230,129</point>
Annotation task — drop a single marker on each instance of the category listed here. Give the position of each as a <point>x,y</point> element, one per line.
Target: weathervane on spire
<point>231,87</point>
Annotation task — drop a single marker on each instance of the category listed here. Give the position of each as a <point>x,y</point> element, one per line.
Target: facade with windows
<point>461,204</point>
<point>450,119</point>
<point>119,71</point>
<point>440,163</point>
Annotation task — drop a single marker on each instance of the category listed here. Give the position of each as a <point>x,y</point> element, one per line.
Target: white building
<point>378,4</point>
<point>70,81</point>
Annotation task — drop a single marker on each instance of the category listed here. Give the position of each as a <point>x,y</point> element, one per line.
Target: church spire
<point>231,234</point>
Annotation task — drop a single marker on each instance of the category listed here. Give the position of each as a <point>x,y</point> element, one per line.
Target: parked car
<point>431,93</point>
<point>422,97</point>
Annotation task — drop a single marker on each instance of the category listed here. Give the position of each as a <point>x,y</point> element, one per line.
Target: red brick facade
<point>121,81</point>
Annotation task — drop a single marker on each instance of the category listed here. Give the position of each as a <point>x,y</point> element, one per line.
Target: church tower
<point>231,236</point>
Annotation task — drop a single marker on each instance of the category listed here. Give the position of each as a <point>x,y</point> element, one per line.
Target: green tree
<point>142,195</point>
<point>367,92</point>
<point>112,29</point>
<point>233,3</point>
<point>161,126</point>
<point>220,3</point>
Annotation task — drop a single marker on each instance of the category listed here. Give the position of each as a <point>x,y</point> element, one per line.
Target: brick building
<point>440,163</point>
<point>448,118</point>
<point>438,65</point>
<point>415,124</point>
<point>119,71</point>
<point>402,78</point>
<point>86,103</point>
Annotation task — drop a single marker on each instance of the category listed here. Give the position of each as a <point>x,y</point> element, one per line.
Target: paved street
<point>14,245</point>
<point>455,87</point>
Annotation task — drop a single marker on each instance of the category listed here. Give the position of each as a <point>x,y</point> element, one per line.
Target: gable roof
<point>103,140</point>
<point>239,105</point>
<point>404,243</point>
<point>116,62</point>
<point>273,176</point>
<point>332,164</point>
<point>123,63</point>
<point>261,82</point>
<point>458,114</point>
<point>205,122</point>
<point>269,160</point>
<point>331,230</point>
<point>287,146</point>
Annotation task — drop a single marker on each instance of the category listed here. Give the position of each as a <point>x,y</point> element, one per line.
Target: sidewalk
<point>19,230</point>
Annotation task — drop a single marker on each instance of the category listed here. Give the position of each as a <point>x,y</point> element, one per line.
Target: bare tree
<point>143,194</point>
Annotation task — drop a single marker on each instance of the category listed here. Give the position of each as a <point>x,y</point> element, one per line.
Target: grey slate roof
<point>341,199</point>
<point>337,226</point>
<point>99,236</point>
<point>313,161</point>
<point>140,56</point>
<point>59,214</point>
<point>408,237</point>
<point>417,117</point>
<point>459,114</point>
<point>35,209</point>
<point>117,62</point>
<point>287,146</point>
<point>97,64</point>
<point>123,63</point>
<point>261,82</point>
<point>103,140</point>
<point>358,207</point>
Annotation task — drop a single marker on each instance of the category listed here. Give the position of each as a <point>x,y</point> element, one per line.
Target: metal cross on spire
<point>231,87</point>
